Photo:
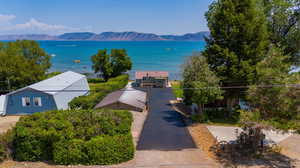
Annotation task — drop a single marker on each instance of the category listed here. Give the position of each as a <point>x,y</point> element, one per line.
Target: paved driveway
<point>164,128</point>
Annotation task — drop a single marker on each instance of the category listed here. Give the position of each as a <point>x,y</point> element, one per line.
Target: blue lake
<point>150,55</point>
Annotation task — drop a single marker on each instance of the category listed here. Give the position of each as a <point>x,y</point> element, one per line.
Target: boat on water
<point>77,61</point>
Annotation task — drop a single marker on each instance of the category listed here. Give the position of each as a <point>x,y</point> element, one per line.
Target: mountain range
<point>108,36</point>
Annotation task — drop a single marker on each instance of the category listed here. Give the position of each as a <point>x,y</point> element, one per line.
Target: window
<point>26,101</point>
<point>37,101</point>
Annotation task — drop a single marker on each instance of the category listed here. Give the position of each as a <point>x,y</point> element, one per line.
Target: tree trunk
<point>230,103</point>
<point>200,109</point>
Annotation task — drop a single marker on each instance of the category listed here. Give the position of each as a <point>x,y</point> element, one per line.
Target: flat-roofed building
<point>156,79</point>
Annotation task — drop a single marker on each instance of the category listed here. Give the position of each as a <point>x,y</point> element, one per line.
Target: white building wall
<point>3,104</point>
<point>79,88</point>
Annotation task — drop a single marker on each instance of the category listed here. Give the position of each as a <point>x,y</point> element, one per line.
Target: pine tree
<point>283,24</point>
<point>276,96</point>
<point>238,41</point>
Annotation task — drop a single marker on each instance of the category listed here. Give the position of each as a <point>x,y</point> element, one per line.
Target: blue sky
<point>59,16</point>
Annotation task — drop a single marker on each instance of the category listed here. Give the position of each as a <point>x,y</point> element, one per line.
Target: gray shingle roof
<point>132,97</point>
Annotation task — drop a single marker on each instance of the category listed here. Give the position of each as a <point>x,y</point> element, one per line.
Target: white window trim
<point>24,104</point>
<point>39,100</point>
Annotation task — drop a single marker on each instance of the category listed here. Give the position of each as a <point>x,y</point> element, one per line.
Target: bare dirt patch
<point>8,122</point>
<point>203,138</point>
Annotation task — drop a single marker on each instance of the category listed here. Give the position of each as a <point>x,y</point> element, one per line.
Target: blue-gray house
<point>51,94</point>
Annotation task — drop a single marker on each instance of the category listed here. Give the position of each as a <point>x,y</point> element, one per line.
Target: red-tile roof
<point>157,74</point>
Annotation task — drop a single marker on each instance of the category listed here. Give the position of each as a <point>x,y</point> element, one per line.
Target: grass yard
<point>177,89</point>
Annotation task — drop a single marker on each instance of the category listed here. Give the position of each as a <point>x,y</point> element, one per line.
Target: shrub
<point>96,80</point>
<point>66,137</point>
<point>199,118</point>
<point>218,115</point>
<point>251,140</point>
<point>67,152</point>
<point>110,149</point>
<point>98,92</point>
<point>6,145</point>
<point>278,123</point>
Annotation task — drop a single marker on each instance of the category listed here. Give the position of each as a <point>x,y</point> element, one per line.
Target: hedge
<point>5,145</point>
<point>74,137</point>
<point>100,150</point>
<point>96,80</point>
<point>98,92</point>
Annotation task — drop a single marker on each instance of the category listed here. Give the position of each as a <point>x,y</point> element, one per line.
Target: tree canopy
<point>22,63</point>
<point>200,84</point>
<point>238,40</point>
<point>283,18</point>
<point>276,95</point>
<point>113,64</point>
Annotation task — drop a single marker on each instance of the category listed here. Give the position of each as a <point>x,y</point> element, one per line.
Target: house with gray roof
<point>51,94</point>
<point>127,99</point>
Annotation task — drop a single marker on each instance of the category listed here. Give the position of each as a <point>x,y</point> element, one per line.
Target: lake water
<point>158,55</point>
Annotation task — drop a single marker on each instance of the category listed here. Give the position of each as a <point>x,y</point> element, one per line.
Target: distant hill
<point>109,36</point>
<point>77,36</point>
<point>127,36</point>
<point>186,37</point>
<point>28,37</point>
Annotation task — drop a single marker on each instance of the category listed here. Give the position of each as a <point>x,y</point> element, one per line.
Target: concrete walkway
<point>223,133</point>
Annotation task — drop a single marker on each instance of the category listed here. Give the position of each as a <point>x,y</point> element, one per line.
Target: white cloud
<point>6,18</point>
<point>32,26</point>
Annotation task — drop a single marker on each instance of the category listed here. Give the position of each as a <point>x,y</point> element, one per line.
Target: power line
<point>202,88</point>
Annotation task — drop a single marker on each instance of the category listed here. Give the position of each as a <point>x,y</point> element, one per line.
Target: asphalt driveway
<point>164,128</point>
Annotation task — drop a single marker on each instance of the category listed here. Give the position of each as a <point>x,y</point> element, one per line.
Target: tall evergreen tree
<point>238,41</point>
<point>284,26</point>
<point>276,97</point>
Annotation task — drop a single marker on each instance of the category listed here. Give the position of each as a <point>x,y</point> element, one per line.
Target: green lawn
<point>176,86</point>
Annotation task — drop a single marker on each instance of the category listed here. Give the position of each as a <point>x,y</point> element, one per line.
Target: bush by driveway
<point>100,137</point>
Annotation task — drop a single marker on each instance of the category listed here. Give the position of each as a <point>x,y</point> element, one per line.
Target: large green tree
<point>201,85</point>
<point>238,41</point>
<point>22,63</point>
<point>283,18</point>
<point>276,95</point>
<point>102,64</point>
<point>120,61</point>
<point>113,64</point>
